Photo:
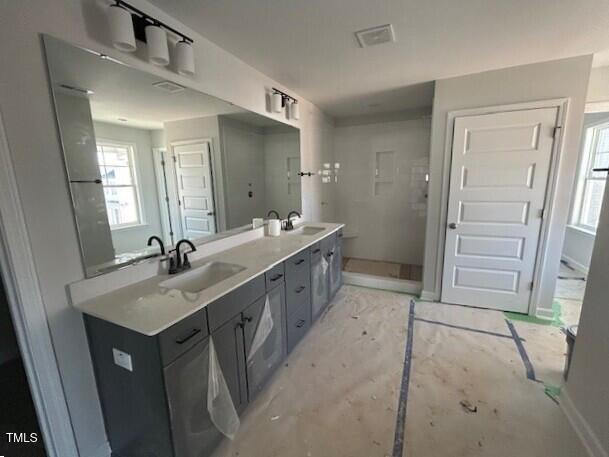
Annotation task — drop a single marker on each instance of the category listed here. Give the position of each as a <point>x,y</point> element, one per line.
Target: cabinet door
<point>193,433</point>
<point>319,286</point>
<point>228,341</point>
<point>336,267</point>
<point>262,363</point>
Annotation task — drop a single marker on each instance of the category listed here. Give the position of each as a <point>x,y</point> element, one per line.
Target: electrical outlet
<point>122,359</point>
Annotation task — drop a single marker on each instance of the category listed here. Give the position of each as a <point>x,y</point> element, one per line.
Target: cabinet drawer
<point>182,336</point>
<point>274,277</point>
<point>297,324</point>
<point>297,269</point>
<point>298,296</point>
<point>315,252</point>
<point>225,308</point>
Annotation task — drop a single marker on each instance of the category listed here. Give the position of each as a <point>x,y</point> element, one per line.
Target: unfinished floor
<point>384,269</point>
<point>468,392</point>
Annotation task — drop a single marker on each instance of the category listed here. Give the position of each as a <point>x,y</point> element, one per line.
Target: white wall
<point>32,137</point>
<point>278,146</point>
<point>578,245</point>
<point>243,170</point>
<point>526,83</point>
<point>587,386</point>
<point>387,223</point>
<point>133,238</point>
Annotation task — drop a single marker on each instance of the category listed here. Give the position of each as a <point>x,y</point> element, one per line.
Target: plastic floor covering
<point>479,385</point>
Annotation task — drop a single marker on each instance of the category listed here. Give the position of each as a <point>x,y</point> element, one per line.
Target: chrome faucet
<point>288,225</point>
<point>178,264</point>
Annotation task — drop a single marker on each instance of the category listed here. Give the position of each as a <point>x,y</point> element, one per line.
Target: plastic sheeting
<point>265,327</point>
<point>219,401</point>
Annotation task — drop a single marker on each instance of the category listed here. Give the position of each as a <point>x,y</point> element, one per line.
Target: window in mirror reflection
<point>117,169</point>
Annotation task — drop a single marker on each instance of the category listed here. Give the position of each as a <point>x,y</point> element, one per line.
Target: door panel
<point>499,174</point>
<point>195,189</point>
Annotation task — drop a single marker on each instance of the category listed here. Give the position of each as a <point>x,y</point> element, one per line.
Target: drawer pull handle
<point>276,277</point>
<point>185,338</point>
<point>300,289</point>
<point>300,323</point>
<point>315,251</point>
<point>299,261</point>
<point>340,235</point>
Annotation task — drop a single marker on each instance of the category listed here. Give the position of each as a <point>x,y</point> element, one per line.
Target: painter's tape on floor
<point>460,327</point>
<point>530,371</point>
<point>400,425</point>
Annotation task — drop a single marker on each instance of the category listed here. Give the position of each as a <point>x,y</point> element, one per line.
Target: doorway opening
<point>19,428</point>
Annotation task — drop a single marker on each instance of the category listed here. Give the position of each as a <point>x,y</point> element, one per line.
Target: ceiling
<point>310,47</point>
<point>126,96</point>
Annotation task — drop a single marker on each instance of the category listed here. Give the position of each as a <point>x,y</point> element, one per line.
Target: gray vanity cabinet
<point>336,263</point>
<point>264,360</point>
<point>298,296</point>
<point>320,273</point>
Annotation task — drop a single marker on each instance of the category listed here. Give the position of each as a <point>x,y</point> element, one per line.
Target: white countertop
<point>148,308</point>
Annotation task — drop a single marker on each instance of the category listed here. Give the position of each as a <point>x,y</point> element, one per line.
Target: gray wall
<point>401,207</point>
<point>133,238</point>
<point>9,349</point>
<point>578,245</point>
<point>526,83</point>
<point>587,386</point>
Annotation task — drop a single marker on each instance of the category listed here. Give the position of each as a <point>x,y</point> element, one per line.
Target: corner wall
<point>526,83</point>
<point>25,102</point>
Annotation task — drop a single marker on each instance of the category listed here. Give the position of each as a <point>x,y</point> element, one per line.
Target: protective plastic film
<point>265,327</point>
<point>219,402</point>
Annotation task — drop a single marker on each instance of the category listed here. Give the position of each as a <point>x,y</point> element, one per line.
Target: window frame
<point>586,175</point>
<point>133,163</point>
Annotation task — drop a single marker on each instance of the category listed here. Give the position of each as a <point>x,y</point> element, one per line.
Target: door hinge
<point>541,213</point>
<point>175,160</point>
<point>556,130</point>
<point>531,285</point>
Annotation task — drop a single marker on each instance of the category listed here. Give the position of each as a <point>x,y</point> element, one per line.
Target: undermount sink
<point>202,277</point>
<point>307,230</point>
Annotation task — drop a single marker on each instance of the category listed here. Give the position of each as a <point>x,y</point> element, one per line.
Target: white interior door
<point>499,174</point>
<point>195,189</point>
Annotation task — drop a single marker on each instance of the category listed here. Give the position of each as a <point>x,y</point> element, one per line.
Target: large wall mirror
<point>146,156</point>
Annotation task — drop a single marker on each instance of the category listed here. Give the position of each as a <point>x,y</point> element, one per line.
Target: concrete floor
<point>468,394</point>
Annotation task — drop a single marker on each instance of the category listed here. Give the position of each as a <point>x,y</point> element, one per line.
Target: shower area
<point>381,177</point>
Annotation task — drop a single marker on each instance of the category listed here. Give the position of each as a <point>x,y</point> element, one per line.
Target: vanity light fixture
<point>281,100</point>
<point>128,24</point>
<point>185,58</point>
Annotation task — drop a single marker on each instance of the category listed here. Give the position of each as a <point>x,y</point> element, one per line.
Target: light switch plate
<point>122,359</point>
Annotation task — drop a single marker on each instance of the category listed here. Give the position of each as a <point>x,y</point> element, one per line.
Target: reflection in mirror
<point>148,157</point>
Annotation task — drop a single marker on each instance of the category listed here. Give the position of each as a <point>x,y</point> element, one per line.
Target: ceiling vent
<point>169,86</point>
<point>375,35</point>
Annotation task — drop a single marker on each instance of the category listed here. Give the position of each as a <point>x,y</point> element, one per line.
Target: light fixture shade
<point>295,110</point>
<point>158,51</point>
<point>185,58</point>
<point>121,28</point>
<point>277,102</point>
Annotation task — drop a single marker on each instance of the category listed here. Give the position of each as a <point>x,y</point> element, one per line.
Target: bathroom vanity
<point>152,371</point>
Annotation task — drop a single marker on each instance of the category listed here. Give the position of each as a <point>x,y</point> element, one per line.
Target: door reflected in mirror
<point>146,157</point>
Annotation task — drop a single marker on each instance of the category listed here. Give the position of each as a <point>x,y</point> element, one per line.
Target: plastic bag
<point>319,276</point>
<point>324,264</point>
<point>219,402</point>
<point>265,326</point>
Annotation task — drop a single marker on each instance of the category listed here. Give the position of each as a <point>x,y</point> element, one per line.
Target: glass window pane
<point>601,160</point>
<point>118,176</point>
<point>121,205</point>
<point>116,156</point>
<point>100,155</point>
<point>603,140</point>
<point>592,201</point>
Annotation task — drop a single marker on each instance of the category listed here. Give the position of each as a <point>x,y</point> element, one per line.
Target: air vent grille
<point>375,35</point>
<point>169,86</point>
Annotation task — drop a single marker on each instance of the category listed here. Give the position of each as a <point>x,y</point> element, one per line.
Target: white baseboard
<point>544,313</point>
<point>581,426</point>
<point>427,295</point>
<point>575,264</point>
<point>377,282</point>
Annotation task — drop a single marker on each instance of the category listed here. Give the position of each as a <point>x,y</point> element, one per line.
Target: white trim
<point>562,105</point>
<point>31,324</point>
<point>578,266</point>
<point>429,296</point>
<point>377,282</point>
<point>585,433</point>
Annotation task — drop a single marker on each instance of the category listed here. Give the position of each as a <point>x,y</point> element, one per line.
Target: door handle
<point>452,226</point>
<point>299,261</point>
<point>300,289</point>
<point>276,277</point>
<point>300,323</point>
<point>211,213</point>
